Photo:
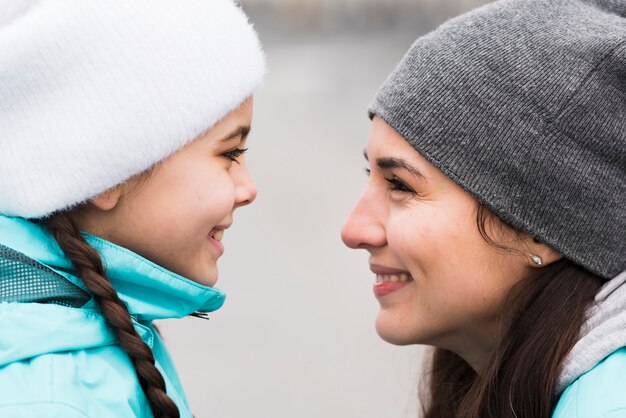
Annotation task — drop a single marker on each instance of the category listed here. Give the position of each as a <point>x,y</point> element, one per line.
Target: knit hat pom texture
<point>95,92</point>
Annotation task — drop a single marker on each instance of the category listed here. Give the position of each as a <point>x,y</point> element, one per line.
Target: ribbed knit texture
<point>94,92</point>
<point>523,104</point>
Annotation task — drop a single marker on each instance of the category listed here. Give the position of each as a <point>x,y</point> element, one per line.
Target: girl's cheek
<point>222,202</point>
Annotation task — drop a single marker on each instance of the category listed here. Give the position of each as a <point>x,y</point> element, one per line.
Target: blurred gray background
<point>296,335</point>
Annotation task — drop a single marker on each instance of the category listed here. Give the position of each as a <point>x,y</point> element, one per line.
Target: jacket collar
<point>603,332</point>
<point>149,291</point>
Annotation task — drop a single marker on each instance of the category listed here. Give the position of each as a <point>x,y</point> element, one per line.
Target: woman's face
<point>437,280</point>
<point>177,216</point>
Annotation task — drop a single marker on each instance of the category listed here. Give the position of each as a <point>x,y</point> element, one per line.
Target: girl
<point>495,212</point>
<point>123,129</point>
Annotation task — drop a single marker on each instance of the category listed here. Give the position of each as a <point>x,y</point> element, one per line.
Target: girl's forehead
<point>233,128</point>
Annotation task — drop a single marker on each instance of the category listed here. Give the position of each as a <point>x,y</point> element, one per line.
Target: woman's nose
<point>364,228</point>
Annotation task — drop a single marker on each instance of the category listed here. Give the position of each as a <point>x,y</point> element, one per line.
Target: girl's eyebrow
<point>385,163</point>
<point>239,133</point>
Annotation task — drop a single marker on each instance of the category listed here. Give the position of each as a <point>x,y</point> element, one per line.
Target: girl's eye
<point>234,154</point>
<point>398,185</point>
<point>368,172</point>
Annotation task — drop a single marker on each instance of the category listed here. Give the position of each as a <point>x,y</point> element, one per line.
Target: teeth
<point>403,277</point>
<point>218,235</point>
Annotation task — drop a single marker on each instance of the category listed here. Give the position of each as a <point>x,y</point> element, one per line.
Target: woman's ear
<point>108,200</point>
<point>540,254</point>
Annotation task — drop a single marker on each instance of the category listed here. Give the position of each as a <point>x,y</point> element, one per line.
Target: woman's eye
<point>367,172</point>
<point>234,154</point>
<point>398,185</point>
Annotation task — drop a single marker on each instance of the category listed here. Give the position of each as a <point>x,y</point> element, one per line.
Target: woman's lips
<point>389,279</point>
<point>378,269</point>
<point>384,288</point>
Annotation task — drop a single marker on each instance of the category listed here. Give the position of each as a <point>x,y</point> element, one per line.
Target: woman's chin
<point>394,332</point>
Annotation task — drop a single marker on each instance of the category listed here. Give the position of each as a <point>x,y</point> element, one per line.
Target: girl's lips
<point>216,235</point>
<point>219,247</point>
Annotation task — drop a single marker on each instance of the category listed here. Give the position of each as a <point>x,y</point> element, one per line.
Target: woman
<point>495,212</point>
<point>123,130</point>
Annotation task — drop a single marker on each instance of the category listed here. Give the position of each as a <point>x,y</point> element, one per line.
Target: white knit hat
<point>94,92</point>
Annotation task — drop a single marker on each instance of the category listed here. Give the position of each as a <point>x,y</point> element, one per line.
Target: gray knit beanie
<point>523,104</point>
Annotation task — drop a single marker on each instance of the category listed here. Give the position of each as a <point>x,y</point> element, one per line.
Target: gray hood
<point>604,332</point>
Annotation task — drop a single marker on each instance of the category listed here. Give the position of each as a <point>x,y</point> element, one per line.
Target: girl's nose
<point>245,191</point>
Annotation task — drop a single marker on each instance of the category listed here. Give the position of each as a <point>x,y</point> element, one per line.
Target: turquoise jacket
<point>592,382</point>
<point>598,393</point>
<point>58,358</point>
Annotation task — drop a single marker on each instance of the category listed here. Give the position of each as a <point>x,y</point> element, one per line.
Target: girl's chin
<point>206,276</point>
<point>209,279</point>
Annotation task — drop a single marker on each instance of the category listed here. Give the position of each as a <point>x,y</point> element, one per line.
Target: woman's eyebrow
<point>386,163</point>
<point>390,162</point>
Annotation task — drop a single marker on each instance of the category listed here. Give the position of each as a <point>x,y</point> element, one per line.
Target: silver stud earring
<point>536,259</point>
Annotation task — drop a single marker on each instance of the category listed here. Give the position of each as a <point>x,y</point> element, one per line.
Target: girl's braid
<point>89,265</point>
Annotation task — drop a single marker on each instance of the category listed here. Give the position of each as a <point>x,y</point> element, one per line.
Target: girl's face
<point>438,281</point>
<point>177,216</point>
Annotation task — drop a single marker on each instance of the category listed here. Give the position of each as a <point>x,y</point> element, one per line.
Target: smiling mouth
<point>388,278</point>
<point>217,235</point>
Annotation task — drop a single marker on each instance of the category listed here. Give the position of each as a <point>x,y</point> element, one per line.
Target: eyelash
<point>398,185</point>
<point>234,154</point>
<point>395,183</point>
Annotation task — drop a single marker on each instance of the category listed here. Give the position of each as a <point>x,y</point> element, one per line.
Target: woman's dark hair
<point>548,310</point>
<point>89,268</point>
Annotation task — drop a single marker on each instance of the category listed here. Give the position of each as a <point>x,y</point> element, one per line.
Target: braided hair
<point>89,266</point>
